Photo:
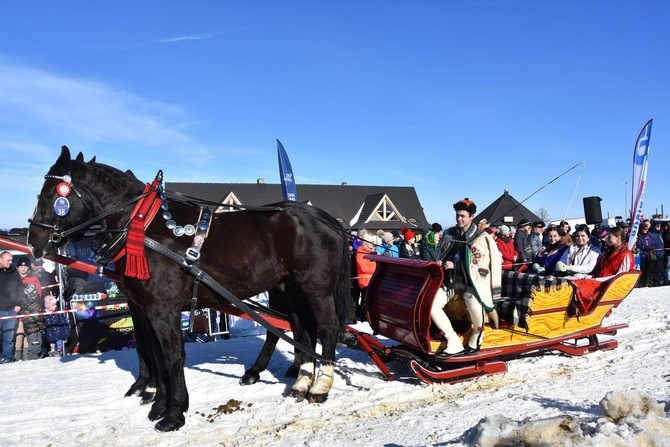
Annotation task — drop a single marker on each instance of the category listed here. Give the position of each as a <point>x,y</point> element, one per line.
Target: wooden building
<point>355,207</point>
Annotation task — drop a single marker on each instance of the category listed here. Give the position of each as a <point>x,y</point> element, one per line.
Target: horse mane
<point>80,158</point>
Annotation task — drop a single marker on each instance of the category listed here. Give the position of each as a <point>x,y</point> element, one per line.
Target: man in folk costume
<point>473,265</point>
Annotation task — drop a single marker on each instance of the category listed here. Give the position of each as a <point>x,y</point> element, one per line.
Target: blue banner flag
<point>288,187</point>
<point>640,162</point>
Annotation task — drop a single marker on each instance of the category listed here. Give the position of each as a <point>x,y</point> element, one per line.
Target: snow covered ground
<point>542,400</point>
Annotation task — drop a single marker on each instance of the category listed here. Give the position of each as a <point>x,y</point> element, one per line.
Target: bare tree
<point>544,215</point>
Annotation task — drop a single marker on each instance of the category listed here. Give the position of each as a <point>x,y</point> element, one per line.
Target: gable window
<point>385,211</point>
<point>231,199</point>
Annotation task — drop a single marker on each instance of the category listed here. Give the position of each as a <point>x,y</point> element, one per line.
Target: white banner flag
<point>640,162</point>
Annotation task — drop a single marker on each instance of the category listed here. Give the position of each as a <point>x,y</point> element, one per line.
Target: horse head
<point>73,195</point>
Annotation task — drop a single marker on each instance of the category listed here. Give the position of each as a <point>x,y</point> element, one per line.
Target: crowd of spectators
<point>26,290</point>
<point>554,250</point>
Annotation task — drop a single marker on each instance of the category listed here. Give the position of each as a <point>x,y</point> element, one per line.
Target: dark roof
<point>506,210</point>
<point>341,201</point>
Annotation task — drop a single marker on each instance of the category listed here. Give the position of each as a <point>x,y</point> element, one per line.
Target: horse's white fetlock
<point>305,378</point>
<point>324,380</point>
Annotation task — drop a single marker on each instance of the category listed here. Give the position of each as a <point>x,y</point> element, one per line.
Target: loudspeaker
<point>592,211</point>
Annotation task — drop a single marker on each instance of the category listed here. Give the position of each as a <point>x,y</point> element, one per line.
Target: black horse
<point>297,251</point>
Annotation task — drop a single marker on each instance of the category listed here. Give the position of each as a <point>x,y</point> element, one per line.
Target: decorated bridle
<point>61,206</point>
<point>152,200</point>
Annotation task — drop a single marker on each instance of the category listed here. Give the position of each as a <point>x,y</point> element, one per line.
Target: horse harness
<point>147,205</point>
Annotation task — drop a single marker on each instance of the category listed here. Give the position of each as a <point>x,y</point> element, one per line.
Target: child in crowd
<point>57,327</point>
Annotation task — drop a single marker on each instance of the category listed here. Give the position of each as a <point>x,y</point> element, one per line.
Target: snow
<point>606,398</point>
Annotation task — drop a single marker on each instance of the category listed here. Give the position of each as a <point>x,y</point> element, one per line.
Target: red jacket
<point>508,252</point>
<point>364,267</point>
<point>613,262</point>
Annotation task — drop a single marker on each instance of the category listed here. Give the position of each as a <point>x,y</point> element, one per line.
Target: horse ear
<point>80,157</point>
<point>63,162</point>
<point>92,160</point>
<point>130,173</point>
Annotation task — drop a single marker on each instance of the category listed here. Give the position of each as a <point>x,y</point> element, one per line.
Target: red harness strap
<point>140,219</point>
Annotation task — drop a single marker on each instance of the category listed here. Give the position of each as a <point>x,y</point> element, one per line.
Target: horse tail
<point>343,285</point>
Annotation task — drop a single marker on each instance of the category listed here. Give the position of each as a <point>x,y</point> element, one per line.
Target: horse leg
<point>172,396</point>
<point>305,378</point>
<point>329,332</point>
<point>277,301</point>
<point>145,385</point>
<point>252,375</point>
<point>294,368</point>
<point>306,371</point>
<point>318,393</point>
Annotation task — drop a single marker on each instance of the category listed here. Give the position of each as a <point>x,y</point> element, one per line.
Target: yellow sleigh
<point>535,314</point>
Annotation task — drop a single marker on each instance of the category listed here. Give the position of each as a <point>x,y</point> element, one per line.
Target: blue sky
<point>455,98</point>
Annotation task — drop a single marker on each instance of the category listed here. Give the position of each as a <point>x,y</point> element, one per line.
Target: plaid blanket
<point>514,306</point>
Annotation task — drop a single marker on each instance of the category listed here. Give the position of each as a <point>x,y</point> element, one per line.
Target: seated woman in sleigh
<point>580,259</point>
<point>616,257</point>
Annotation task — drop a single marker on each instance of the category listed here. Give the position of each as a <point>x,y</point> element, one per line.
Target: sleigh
<point>536,314</point>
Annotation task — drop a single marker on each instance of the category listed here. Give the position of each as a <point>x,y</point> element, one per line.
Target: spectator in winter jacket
<point>546,259</point>
<point>407,245</point>
<point>11,290</point>
<point>564,231</point>
<point>522,241</point>
<point>506,247</point>
<point>47,279</point>
<point>28,337</point>
<point>536,237</point>
<point>659,268</point>
<point>647,246</point>
<point>431,246</point>
<point>387,247</point>
<point>666,243</point>
<point>364,269</point>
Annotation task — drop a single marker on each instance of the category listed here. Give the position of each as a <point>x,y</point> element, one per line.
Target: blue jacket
<point>392,249</point>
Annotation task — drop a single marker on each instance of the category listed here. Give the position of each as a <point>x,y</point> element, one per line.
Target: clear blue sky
<point>456,98</point>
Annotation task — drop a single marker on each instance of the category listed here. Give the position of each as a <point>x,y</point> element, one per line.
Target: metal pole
<point>625,201</point>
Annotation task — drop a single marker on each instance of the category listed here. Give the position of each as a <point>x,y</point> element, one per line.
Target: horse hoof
<point>169,423</point>
<point>249,378</point>
<point>318,398</point>
<point>133,391</point>
<point>156,413</point>
<point>148,396</point>
<point>298,395</point>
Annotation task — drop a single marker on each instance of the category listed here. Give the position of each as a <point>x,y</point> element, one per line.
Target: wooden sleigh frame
<point>401,293</point>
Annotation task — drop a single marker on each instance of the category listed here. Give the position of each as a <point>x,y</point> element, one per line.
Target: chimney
<point>260,181</point>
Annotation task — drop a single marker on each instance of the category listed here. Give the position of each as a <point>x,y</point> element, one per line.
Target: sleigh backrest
<point>399,298</point>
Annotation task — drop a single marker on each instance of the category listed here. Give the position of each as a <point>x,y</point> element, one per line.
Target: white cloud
<point>87,108</point>
<point>203,36</point>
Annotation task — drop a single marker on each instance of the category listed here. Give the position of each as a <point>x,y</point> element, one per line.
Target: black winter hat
<point>436,227</point>
<point>23,260</point>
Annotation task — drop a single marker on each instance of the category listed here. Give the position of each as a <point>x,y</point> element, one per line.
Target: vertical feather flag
<point>640,162</point>
<point>288,186</point>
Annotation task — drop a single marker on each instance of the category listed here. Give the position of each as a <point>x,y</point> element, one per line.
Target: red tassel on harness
<point>136,262</point>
